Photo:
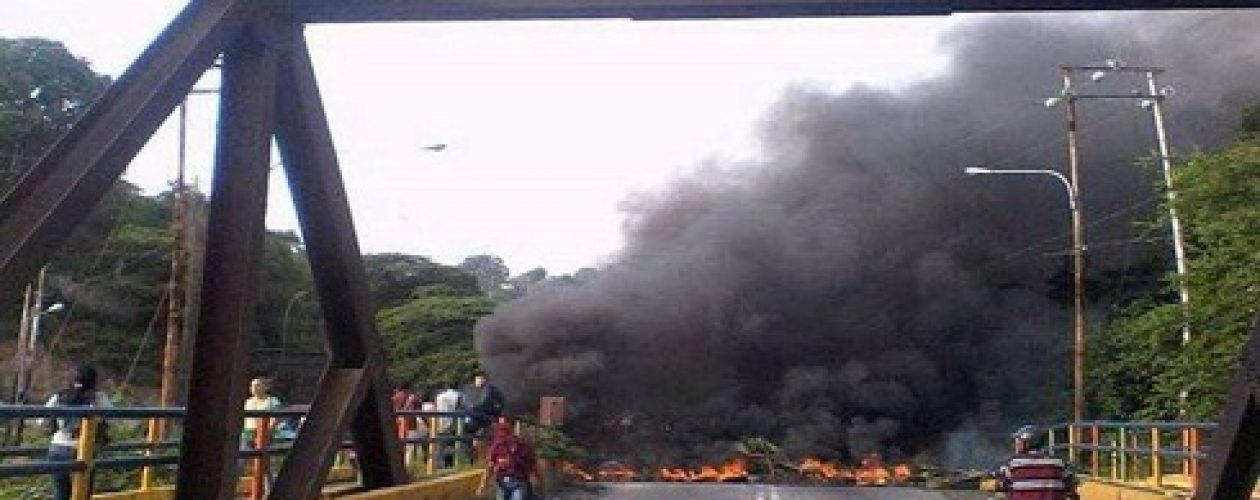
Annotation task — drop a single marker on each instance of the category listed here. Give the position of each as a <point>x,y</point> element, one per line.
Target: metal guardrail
<point>1146,452</point>
<point>266,444</point>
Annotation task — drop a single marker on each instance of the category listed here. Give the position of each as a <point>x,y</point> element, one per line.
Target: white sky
<point>549,124</point>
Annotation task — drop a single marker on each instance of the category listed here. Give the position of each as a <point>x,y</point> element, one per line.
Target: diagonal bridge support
<point>270,92</point>
<point>1234,460</point>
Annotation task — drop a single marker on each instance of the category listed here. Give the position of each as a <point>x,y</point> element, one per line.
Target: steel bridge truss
<point>269,91</point>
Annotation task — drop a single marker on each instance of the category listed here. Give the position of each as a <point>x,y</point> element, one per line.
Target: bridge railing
<point>424,452</point>
<point>1160,454</point>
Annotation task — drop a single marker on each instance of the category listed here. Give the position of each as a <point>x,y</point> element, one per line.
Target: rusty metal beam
<point>323,11</point>
<point>1234,456</point>
<point>41,210</point>
<point>305,471</point>
<point>233,269</point>
<point>354,381</point>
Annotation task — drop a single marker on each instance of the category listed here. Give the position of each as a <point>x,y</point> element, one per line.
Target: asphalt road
<point>668,491</point>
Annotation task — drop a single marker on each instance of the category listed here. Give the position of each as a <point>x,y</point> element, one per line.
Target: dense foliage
<point>43,88</point>
<point>1140,366</point>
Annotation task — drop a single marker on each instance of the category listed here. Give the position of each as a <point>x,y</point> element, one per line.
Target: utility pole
<point>32,315</point>
<point>20,353</point>
<point>1152,99</point>
<point>28,337</point>
<point>13,430</point>
<point>1078,257</point>
<point>175,295</point>
<point>1156,103</point>
<point>176,286</point>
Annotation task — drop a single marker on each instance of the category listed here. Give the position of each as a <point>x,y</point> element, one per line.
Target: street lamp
<point>27,351</point>
<point>284,324</point>
<point>1078,281</point>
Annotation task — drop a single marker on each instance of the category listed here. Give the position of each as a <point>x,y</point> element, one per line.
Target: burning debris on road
<point>850,291</point>
<point>871,472</point>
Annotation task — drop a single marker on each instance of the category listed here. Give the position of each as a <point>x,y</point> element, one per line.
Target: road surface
<point>670,491</point>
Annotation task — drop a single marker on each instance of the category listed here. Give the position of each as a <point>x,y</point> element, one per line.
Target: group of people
<point>510,459</point>
<point>481,401</point>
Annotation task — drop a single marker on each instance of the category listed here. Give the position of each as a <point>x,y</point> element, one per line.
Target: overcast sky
<point>549,125</point>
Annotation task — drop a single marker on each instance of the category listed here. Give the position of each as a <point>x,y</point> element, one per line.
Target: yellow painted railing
<point>1161,455</point>
<point>423,453</point>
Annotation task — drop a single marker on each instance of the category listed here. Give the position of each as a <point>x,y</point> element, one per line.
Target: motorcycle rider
<point>1033,475</point>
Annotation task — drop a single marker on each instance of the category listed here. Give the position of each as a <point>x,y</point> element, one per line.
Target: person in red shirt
<point>511,462</point>
<point>404,399</point>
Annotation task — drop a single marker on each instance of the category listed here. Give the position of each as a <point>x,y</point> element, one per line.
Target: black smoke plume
<point>852,290</point>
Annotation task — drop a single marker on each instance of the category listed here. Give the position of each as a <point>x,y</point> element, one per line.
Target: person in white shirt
<point>260,399</point>
<point>65,438</point>
<point>449,400</point>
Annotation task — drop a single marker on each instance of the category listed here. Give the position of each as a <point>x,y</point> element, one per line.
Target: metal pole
<point>1179,245</point>
<point>175,301</point>
<point>37,306</point>
<point>24,333</point>
<point>13,430</point>
<point>1078,257</point>
<point>284,325</point>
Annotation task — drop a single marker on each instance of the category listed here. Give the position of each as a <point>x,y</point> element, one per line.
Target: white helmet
<point>1025,433</point>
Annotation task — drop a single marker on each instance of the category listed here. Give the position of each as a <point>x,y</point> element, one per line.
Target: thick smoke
<point>853,291</point>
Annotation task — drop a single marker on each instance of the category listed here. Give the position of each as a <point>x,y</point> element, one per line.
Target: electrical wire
<point>144,341</point>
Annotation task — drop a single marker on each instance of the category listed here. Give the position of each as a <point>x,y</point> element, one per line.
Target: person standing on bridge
<point>484,403</point>
<point>65,431</point>
<point>260,399</point>
<point>405,399</point>
<point>1032,475</point>
<point>512,464</point>
<point>448,401</point>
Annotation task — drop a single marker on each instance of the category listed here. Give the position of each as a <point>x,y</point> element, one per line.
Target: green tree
<point>43,89</point>
<point>490,271</point>
<point>1143,368</point>
<point>1250,126</point>
<point>286,281</point>
<point>429,340</point>
<point>396,278</point>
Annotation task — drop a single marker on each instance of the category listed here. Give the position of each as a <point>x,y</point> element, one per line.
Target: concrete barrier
<point>457,486</point>
<point>1098,490</point>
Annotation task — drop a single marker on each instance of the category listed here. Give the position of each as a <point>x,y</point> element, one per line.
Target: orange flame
<point>574,472</point>
<point>706,473</point>
<point>822,470</point>
<point>902,472</point>
<point>735,469</point>
<point>675,474</point>
<point>616,473</point>
<point>872,472</point>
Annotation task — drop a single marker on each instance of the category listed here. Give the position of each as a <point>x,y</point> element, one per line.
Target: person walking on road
<point>511,463</point>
